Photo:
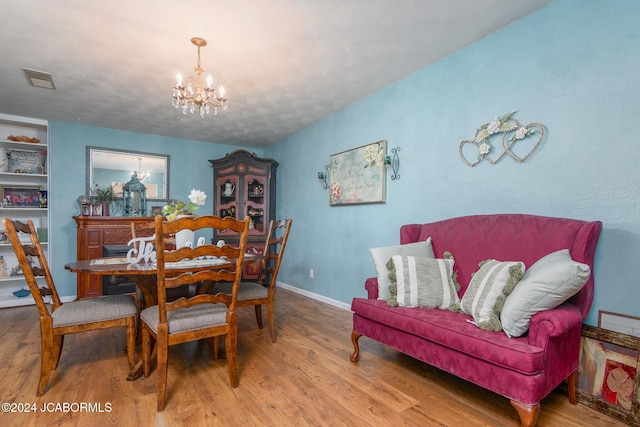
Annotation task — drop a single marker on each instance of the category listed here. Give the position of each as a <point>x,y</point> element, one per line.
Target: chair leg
<point>216,347</point>
<point>46,360</point>
<point>231,343</point>
<point>131,341</point>
<point>146,351</point>
<point>57,350</point>
<point>162,344</point>
<point>258,308</point>
<point>272,320</point>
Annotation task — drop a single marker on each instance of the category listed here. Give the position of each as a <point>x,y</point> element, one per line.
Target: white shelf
<point>35,146</point>
<point>31,128</point>
<point>14,301</point>
<point>36,209</point>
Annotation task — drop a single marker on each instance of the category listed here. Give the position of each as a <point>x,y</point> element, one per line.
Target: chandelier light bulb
<point>209,81</point>
<point>179,77</point>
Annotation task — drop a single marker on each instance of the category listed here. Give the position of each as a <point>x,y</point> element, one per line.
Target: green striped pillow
<point>487,291</point>
<point>422,282</point>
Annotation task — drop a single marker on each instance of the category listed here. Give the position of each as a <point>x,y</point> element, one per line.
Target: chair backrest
<point>147,229</point>
<point>33,263</point>
<point>201,261</point>
<point>273,251</point>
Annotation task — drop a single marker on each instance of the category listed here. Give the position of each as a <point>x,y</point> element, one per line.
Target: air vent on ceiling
<point>39,79</point>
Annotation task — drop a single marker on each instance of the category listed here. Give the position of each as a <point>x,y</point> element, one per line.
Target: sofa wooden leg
<point>355,356</point>
<point>528,414</point>
<point>573,387</point>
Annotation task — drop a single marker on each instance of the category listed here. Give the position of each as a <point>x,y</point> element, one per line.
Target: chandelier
<point>143,176</point>
<point>196,94</point>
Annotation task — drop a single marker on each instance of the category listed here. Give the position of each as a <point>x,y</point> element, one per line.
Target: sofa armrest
<point>371,285</point>
<point>549,324</point>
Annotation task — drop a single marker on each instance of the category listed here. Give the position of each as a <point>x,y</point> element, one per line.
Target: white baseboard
<point>333,302</point>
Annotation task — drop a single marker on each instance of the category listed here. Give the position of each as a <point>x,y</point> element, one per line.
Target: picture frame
<point>96,209</point>
<point>609,373</point>
<point>623,323</point>
<point>21,197</point>
<point>358,176</point>
<point>156,210</point>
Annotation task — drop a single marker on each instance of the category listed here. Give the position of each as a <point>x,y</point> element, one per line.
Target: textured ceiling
<point>285,64</point>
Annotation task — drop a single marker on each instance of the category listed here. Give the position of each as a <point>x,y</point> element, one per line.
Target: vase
<point>184,237</point>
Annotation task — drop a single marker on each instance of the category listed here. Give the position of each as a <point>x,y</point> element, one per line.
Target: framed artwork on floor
<point>609,377</point>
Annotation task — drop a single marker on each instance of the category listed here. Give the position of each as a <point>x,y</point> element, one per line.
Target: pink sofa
<point>523,369</point>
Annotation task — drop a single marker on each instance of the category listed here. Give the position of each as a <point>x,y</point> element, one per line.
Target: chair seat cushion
<point>199,316</point>
<point>247,291</point>
<point>94,310</point>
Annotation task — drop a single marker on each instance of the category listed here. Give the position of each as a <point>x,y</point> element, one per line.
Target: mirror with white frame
<point>109,166</point>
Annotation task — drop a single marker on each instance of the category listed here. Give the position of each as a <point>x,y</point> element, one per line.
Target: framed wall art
<point>358,176</point>
<point>21,197</point>
<point>609,373</point>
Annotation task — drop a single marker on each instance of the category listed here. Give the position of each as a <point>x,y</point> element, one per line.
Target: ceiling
<point>285,64</point>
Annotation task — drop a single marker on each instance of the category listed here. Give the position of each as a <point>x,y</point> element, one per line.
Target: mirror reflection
<point>107,166</point>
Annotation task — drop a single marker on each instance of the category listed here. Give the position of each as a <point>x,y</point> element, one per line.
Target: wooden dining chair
<point>70,317</point>
<point>203,315</point>
<point>263,290</point>
<point>147,229</point>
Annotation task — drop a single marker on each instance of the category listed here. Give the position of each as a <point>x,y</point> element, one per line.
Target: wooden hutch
<point>245,185</point>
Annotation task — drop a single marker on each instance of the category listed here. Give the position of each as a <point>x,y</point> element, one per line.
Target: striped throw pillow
<point>423,282</point>
<point>487,291</point>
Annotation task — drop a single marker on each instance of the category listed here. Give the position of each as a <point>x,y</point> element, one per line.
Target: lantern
<point>135,197</point>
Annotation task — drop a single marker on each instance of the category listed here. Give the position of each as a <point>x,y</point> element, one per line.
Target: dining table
<point>144,274</point>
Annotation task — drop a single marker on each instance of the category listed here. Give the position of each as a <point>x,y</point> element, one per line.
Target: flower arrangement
<point>176,208</point>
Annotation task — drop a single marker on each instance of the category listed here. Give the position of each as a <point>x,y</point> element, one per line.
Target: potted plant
<point>105,196</point>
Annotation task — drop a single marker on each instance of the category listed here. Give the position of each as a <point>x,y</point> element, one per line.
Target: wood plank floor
<point>305,379</point>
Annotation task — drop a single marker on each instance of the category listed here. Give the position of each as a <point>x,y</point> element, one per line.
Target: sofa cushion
<point>489,286</point>
<point>545,285</point>
<point>381,257</point>
<point>453,330</point>
<point>422,282</point>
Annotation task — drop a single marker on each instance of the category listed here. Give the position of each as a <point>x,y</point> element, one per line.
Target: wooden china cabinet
<point>245,185</point>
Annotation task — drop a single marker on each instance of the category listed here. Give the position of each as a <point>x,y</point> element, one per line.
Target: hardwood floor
<point>305,379</point>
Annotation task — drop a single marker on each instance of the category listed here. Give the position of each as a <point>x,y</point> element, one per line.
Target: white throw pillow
<point>548,283</point>
<point>423,282</point>
<point>381,257</point>
<point>487,291</point>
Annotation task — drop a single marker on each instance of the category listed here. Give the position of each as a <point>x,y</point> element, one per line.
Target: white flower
<point>484,148</point>
<point>197,197</point>
<point>521,133</point>
<point>494,126</point>
<point>177,208</point>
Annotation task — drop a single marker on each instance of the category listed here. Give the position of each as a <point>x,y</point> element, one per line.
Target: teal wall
<point>572,66</point>
<point>189,169</point>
